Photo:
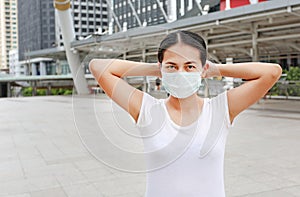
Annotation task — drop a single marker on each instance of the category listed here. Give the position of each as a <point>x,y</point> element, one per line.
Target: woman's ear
<point>159,65</point>
<point>204,72</point>
<point>206,66</point>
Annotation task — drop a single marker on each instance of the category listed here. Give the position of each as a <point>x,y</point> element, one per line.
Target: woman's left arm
<point>260,77</point>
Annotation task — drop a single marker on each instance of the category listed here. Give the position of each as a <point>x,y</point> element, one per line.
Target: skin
<point>184,58</point>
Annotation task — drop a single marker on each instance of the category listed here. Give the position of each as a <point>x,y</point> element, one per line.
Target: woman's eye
<point>171,67</point>
<point>191,67</point>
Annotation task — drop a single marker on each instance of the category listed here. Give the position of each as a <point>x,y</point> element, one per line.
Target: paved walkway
<point>41,153</point>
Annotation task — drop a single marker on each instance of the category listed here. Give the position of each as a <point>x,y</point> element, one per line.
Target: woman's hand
<point>210,70</point>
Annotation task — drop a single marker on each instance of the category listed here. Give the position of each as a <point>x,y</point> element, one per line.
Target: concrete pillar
<point>145,84</point>
<point>34,89</point>
<point>43,68</point>
<point>33,69</point>
<point>8,89</point>
<point>255,55</point>
<point>67,28</point>
<point>48,89</point>
<point>289,61</point>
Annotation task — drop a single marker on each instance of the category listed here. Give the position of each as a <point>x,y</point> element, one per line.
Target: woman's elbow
<point>276,71</point>
<point>92,65</point>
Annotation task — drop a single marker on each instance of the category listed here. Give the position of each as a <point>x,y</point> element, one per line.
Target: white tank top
<point>184,161</point>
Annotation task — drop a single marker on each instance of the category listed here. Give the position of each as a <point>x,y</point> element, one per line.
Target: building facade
<point>39,25</point>
<point>13,62</point>
<point>89,16</point>
<point>36,26</point>
<point>9,30</point>
<point>135,13</point>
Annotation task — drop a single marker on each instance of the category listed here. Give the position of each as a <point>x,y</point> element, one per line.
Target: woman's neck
<point>193,102</point>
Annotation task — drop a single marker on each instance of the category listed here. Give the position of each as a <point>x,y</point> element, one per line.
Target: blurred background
<point>33,57</point>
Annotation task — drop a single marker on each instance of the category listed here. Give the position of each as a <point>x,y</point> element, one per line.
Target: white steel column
<point>43,68</point>
<point>227,5</point>
<point>134,13</point>
<point>172,10</point>
<point>163,11</point>
<point>68,34</point>
<point>33,69</point>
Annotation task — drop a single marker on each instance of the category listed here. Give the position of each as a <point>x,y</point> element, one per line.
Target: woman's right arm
<point>109,73</point>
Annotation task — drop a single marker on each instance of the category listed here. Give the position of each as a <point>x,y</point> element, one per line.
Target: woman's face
<point>181,58</point>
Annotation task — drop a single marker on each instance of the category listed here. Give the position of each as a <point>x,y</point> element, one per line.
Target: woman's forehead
<point>182,53</point>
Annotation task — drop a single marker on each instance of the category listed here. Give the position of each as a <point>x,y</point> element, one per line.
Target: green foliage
<point>68,92</point>
<point>42,92</point>
<point>293,74</point>
<point>61,91</point>
<point>289,85</point>
<point>27,91</point>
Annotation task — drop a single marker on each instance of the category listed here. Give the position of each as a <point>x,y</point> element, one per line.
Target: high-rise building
<point>89,16</point>
<point>8,30</point>
<point>36,26</point>
<point>134,13</point>
<point>39,26</point>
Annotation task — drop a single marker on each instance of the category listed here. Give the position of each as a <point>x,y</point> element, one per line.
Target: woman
<point>198,170</point>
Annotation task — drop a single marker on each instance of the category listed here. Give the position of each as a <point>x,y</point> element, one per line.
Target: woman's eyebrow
<point>172,63</point>
<point>190,62</point>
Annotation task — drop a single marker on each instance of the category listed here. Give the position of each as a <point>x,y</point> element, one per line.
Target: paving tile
<point>11,170</point>
<point>42,183</point>
<point>13,187</point>
<point>273,193</point>
<point>18,195</point>
<point>80,190</point>
<point>293,190</point>
<point>42,154</point>
<point>54,192</point>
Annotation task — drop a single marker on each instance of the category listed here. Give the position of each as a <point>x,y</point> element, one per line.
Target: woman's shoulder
<point>149,98</point>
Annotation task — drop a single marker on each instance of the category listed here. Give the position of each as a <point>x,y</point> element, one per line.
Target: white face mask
<point>181,84</point>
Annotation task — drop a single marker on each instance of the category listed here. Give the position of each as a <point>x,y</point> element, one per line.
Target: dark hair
<point>186,37</point>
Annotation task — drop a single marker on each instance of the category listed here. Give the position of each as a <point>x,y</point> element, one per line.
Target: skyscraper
<point>89,16</point>
<point>39,29</point>
<point>36,26</point>
<point>9,29</point>
<point>135,13</point>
